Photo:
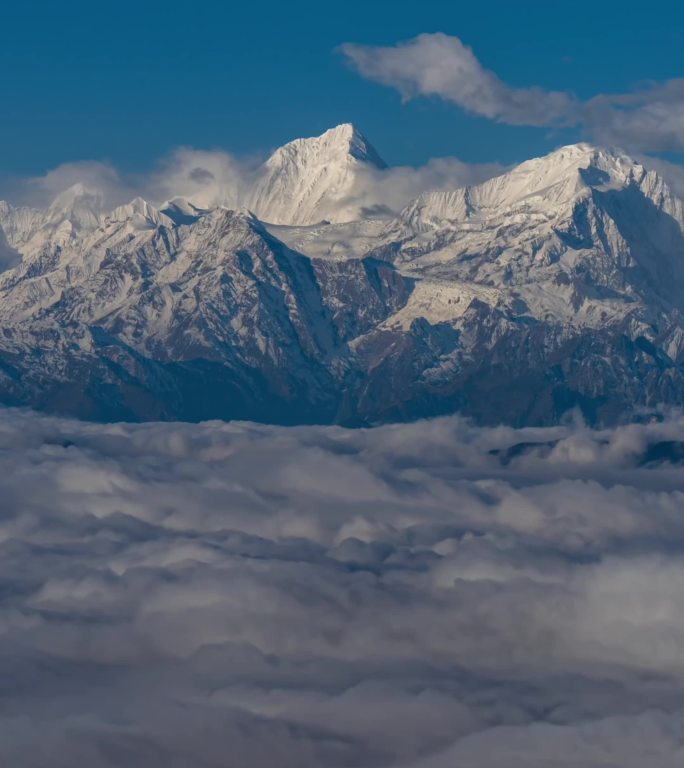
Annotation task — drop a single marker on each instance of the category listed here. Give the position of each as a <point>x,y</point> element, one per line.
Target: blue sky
<point>127,82</point>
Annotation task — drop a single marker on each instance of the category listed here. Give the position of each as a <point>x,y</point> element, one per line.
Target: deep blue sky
<point>128,81</point>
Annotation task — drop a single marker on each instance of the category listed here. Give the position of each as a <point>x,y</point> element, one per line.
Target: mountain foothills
<point>557,284</point>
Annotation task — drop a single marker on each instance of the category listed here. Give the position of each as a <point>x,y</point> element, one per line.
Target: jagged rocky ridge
<point>558,284</point>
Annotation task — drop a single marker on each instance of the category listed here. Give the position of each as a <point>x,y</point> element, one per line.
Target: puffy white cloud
<point>103,178</point>
<point>205,177</point>
<point>441,65</point>
<point>430,594</point>
<point>648,119</point>
<point>209,178</point>
<point>384,192</point>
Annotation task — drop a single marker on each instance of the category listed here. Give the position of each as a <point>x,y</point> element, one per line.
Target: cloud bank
<point>209,178</point>
<point>385,192</point>
<point>428,595</point>
<point>649,119</point>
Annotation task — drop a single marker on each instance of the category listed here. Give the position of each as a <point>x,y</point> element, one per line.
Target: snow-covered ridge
<point>287,294</point>
<point>582,236</point>
<point>509,230</point>
<point>544,186</point>
<point>75,211</point>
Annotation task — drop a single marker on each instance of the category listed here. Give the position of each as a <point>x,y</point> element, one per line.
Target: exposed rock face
<point>558,284</point>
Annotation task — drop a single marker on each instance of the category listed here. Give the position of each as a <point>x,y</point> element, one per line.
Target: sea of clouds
<point>430,595</point>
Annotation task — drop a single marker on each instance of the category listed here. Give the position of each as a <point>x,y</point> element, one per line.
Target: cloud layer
<point>385,192</point>
<point>650,119</point>
<point>424,595</point>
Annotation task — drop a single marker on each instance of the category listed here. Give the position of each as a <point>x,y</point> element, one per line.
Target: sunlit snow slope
<point>558,284</point>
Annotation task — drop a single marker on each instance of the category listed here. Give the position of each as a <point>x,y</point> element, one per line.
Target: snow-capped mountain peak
<point>181,211</point>
<point>74,211</point>
<point>336,144</point>
<point>310,180</point>
<point>582,237</point>
<point>78,204</point>
<point>140,214</point>
<point>549,186</point>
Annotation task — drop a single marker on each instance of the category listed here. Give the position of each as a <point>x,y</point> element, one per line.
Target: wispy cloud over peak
<point>441,65</point>
<point>650,118</point>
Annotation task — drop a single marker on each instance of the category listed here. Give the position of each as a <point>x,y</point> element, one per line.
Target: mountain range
<point>558,284</point>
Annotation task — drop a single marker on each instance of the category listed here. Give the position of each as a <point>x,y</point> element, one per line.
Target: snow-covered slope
<point>75,211</point>
<point>311,180</point>
<point>557,284</point>
<point>582,236</point>
<point>19,223</point>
